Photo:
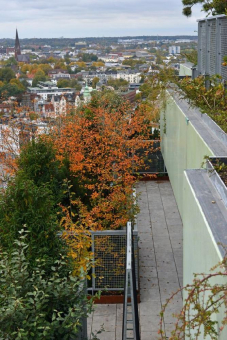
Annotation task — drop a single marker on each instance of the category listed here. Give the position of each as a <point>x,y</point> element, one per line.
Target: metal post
<point>93,262</point>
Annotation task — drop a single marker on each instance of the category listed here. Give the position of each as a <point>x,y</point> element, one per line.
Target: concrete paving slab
<point>106,335</point>
<point>110,309</point>
<point>149,336</point>
<point>108,322</point>
<point>166,227</point>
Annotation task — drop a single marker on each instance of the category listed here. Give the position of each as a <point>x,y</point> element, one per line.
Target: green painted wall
<point>185,70</point>
<point>201,252</point>
<point>182,147</point>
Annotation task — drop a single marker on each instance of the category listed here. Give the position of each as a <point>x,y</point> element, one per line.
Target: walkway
<point>161,265</point>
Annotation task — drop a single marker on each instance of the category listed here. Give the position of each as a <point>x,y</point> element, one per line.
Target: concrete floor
<point>160,261</point>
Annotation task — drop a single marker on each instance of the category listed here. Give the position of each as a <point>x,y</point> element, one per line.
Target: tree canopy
<point>213,7</point>
<point>117,83</point>
<point>31,199</point>
<point>6,74</point>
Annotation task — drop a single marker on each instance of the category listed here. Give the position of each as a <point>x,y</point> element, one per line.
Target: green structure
<point>188,136</point>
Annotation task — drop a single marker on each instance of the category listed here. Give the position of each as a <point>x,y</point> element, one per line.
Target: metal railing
<point>131,328</point>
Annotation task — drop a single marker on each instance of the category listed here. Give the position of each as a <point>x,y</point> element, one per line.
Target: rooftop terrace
<point>161,265</point>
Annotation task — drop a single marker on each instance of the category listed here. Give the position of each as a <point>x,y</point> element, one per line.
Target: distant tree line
<point>62,42</point>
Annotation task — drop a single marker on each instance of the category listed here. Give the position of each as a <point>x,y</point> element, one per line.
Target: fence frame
<point>119,233</point>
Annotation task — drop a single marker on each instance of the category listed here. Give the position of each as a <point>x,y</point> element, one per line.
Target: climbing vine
<point>202,303</point>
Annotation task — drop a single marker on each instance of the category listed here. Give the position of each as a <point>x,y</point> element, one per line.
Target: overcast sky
<point>94,18</point>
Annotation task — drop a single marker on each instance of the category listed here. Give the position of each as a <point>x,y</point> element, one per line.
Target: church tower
<point>17,46</point>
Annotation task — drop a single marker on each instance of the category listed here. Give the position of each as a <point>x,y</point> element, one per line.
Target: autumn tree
<point>100,144</point>
<point>18,83</point>
<point>73,83</point>
<point>95,81</point>
<point>87,57</point>
<point>159,59</point>
<point>98,64</point>
<point>213,7</point>
<point>6,74</point>
<point>89,168</point>
<point>63,83</point>
<point>39,76</point>
<point>11,89</point>
<point>9,62</point>
<point>81,64</point>
<point>191,56</point>
<point>117,83</point>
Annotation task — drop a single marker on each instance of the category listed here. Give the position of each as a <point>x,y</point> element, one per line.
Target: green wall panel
<point>182,147</point>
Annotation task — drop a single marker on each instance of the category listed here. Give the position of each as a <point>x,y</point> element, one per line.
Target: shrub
<point>39,305</point>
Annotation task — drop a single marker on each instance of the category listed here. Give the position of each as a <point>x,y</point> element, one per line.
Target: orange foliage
<point>100,142</point>
<point>101,146</point>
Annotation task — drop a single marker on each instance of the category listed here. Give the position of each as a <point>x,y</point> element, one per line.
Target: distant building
<point>86,91</point>
<point>174,50</point>
<point>142,54</point>
<point>18,56</point>
<point>10,50</point>
<point>129,95</point>
<point>80,44</point>
<point>17,46</point>
<point>183,40</point>
<point>59,74</point>
<point>130,76</point>
<point>44,89</point>
<point>2,50</point>
<point>5,108</point>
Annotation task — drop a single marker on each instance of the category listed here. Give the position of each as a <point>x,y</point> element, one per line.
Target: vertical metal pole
<point>93,262</point>
<point>135,303</point>
<point>124,328</point>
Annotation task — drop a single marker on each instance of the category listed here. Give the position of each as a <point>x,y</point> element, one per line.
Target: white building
<point>174,49</point>
<point>130,77</point>
<point>47,88</point>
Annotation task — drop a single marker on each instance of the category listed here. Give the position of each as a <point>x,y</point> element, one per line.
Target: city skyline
<point>95,18</point>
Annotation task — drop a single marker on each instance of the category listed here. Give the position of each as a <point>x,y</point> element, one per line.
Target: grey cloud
<point>106,15</point>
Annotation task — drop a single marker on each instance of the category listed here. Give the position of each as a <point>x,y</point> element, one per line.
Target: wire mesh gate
<point>108,270</point>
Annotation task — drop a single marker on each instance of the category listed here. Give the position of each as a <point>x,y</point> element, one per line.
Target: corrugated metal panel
<point>203,47</point>
<point>212,45</point>
<point>223,40</point>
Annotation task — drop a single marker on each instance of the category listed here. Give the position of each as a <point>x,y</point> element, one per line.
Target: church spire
<point>17,46</point>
